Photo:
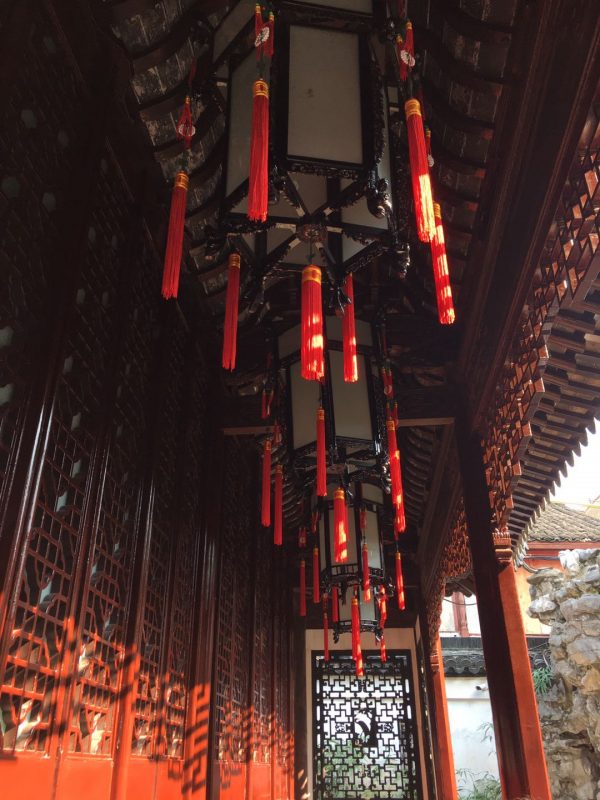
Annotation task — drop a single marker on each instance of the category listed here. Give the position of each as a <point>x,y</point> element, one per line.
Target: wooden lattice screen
<point>111,520</point>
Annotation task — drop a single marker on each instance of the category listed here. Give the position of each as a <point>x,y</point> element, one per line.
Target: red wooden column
<point>518,736</point>
<point>445,776</point>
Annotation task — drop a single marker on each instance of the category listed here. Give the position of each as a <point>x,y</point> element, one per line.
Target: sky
<point>582,484</point>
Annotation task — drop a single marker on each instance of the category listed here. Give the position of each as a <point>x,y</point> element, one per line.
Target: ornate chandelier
<point>311,197</point>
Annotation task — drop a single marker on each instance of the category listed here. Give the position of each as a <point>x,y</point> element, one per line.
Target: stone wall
<point>569,602</point>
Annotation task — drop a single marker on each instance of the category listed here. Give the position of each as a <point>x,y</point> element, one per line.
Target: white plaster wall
<point>395,639</point>
<point>469,709</point>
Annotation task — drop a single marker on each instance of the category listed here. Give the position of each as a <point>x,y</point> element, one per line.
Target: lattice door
<point>364,731</point>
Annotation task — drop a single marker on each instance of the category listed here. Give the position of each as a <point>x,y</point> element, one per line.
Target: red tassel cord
<point>396,477</point>
<point>314,521</point>
<point>406,52</point>
<point>430,161</point>
<point>366,578</point>
<point>400,518</point>
<point>419,171</point>
<point>326,634</point>
<point>443,289</point>
<point>270,43</point>
<point>185,131</point>
<point>302,538</point>
<point>335,604</point>
<point>265,517</point>
<point>174,251</point>
<point>400,583</point>
<point>311,352</point>
<point>349,335</point>
<point>388,383</point>
<point>266,401</point>
<point>277,435</point>
<point>321,455</point>
<point>302,588</point>
<point>340,530</point>
<point>355,617</point>
<point>278,525</point>
<point>258,186</point>
<point>231,312</point>
<point>316,576</point>
<point>382,649</point>
<point>382,610</point>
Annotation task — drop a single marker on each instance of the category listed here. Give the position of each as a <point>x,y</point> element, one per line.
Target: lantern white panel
<point>305,401</point>
<point>367,609</point>
<point>373,540</point>
<point>232,24</point>
<point>324,119</point>
<point>346,608</point>
<point>289,342</point>
<point>350,400</point>
<point>333,327</point>
<point>359,214</point>
<point>240,122</point>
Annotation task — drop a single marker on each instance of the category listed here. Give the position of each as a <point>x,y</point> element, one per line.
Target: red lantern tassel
<point>382,649</point>
<point>231,312</point>
<point>419,170</point>
<point>443,290</point>
<point>278,526</point>
<point>335,604</point>
<point>174,251</point>
<point>400,521</point>
<point>265,517</point>
<point>382,611</point>
<point>400,583</point>
<point>258,188</point>
<point>355,628</point>
<point>340,535</point>
<point>313,363</point>
<point>321,455</point>
<point>394,460</point>
<point>302,588</point>
<point>349,335</point>
<point>302,538</point>
<point>316,571</point>
<point>366,578</point>
<point>326,635</point>
<point>406,52</point>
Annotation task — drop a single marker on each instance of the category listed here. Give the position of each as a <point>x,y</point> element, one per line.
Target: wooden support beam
<point>516,724</point>
<point>445,776</point>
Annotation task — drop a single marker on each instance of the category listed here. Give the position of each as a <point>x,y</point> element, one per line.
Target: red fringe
<point>396,476</point>
<point>400,583</point>
<point>340,526</point>
<point>366,578</point>
<point>316,576</point>
<point>349,335</point>
<point>278,526</point>
<point>419,170</point>
<point>174,251</point>
<point>382,611</point>
<point>231,312</point>
<point>326,635</point>
<point>321,455</point>
<point>335,604</point>
<point>266,484</point>
<point>302,588</point>
<point>355,628</point>
<point>382,649</point>
<point>258,188</point>
<point>443,289</point>
<point>313,362</point>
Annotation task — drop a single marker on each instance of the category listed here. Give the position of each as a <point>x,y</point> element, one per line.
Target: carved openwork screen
<point>365,731</point>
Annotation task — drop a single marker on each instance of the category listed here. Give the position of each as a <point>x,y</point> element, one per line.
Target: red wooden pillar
<point>445,777</point>
<point>516,724</point>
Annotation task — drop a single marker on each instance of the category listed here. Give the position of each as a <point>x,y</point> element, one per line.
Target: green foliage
<point>484,787</point>
<point>542,680</point>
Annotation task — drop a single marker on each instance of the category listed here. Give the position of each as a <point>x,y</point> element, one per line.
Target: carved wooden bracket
<point>503,546</point>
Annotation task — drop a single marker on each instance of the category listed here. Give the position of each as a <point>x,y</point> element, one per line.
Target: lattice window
<point>231,698</point>
<point>154,626</point>
<point>38,127</point>
<point>365,732</point>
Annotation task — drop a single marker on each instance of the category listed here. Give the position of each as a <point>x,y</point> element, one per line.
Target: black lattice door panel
<point>365,741</point>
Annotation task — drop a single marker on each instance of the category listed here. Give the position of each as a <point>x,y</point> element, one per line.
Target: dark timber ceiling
<point>474,56</point>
